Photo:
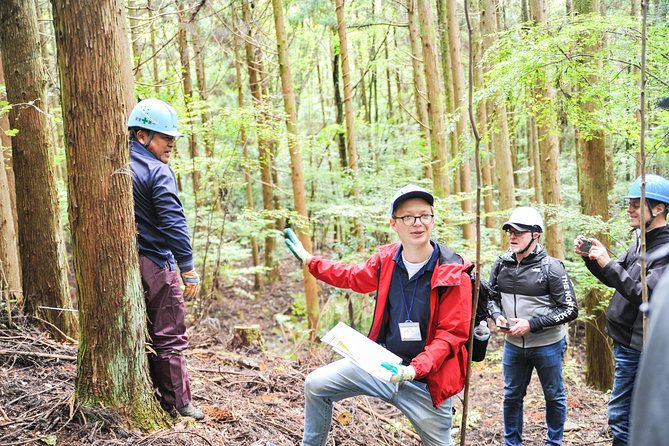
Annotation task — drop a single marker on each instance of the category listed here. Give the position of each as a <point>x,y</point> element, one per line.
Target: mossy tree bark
<point>112,365</point>
<point>44,265</point>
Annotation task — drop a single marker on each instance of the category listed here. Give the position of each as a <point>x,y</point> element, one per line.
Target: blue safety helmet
<point>657,188</point>
<point>155,115</point>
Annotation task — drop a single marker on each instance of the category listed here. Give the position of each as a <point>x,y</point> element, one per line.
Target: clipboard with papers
<point>365,353</point>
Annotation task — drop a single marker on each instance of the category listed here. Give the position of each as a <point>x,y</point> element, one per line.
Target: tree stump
<point>247,337</point>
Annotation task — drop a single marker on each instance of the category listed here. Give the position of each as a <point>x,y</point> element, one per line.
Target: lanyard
<point>404,299</point>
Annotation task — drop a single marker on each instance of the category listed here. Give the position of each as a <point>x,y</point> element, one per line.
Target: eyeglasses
<point>168,138</point>
<point>410,220</point>
<point>516,233</point>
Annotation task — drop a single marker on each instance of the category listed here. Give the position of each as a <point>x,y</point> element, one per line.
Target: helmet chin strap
<point>148,141</point>
<point>528,245</point>
<point>652,214</point>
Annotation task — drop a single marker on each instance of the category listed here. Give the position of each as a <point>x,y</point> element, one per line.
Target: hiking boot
<point>191,411</point>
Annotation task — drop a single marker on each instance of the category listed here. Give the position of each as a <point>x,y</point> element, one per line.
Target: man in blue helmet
<point>164,244</point>
<point>624,319</point>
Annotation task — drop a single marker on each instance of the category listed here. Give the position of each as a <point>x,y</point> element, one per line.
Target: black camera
<point>586,244</point>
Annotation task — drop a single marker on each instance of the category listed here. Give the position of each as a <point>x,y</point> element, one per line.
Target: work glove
<point>192,282</point>
<point>295,246</point>
<point>400,372</point>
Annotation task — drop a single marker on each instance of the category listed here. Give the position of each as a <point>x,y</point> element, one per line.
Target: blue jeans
<point>627,363</point>
<point>343,379</point>
<point>518,364</point>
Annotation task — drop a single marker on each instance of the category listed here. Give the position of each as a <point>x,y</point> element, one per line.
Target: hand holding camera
<point>593,249</point>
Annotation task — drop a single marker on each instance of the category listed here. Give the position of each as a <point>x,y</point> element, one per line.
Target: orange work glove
<point>192,282</point>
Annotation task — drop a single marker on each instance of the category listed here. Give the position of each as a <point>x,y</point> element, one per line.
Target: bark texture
<point>112,365</point>
<point>44,265</point>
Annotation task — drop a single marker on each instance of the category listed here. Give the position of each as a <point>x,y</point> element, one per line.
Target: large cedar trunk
<point>297,177</point>
<point>112,366</point>
<point>44,264</point>
<point>593,188</point>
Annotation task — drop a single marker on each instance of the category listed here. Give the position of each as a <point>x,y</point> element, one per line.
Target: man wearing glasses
<point>163,243</point>
<point>422,314</point>
<point>534,301</point>
<point>624,319</point>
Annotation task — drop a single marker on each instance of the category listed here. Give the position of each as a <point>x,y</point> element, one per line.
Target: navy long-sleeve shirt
<point>161,223</point>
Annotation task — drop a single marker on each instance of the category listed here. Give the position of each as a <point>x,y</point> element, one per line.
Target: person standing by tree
<point>624,320</point>
<point>164,243</point>
<point>534,301</point>
<point>422,314</point>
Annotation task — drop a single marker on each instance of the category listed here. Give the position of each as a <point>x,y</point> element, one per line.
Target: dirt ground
<point>254,398</point>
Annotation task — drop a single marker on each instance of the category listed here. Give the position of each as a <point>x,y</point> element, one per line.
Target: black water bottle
<point>481,336</point>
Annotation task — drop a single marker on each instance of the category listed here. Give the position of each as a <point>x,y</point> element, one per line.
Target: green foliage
<point>592,61</point>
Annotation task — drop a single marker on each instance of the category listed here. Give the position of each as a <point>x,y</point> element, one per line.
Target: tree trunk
<point>44,264</point>
<point>112,368</point>
<point>299,194</point>
<point>10,266</point>
<point>349,115</point>
<point>448,89</point>
<point>458,78</point>
<point>435,98</point>
<point>258,284</point>
<point>419,80</point>
<point>339,107</point>
<point>200,76</point>
<point>154,59</point>
<point>500,135</point>
<point>256,74</point>
<point>135,27</point>
<point>482,117</point>
<point>549,151</point>
<point>10,271</point>
<point>187,80</point>
<point>594,192</point>
<point>535,159</point>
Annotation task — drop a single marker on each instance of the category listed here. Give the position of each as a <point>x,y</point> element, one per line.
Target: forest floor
<point>255,398</point>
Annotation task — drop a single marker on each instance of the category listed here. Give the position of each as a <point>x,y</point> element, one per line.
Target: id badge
<point>410,331</point>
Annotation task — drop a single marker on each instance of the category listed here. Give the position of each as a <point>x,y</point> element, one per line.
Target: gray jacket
<point>537,289</point>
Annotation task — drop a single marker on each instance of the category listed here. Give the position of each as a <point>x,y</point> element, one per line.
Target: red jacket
<point>443,362</point>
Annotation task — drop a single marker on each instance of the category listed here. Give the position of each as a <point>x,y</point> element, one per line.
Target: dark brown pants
<point>166,310</point>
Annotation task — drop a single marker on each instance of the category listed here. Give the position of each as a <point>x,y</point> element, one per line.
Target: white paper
<point>365,353</point>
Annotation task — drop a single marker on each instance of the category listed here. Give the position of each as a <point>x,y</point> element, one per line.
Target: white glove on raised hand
<point>400,372</point>
<point>295,246</point>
